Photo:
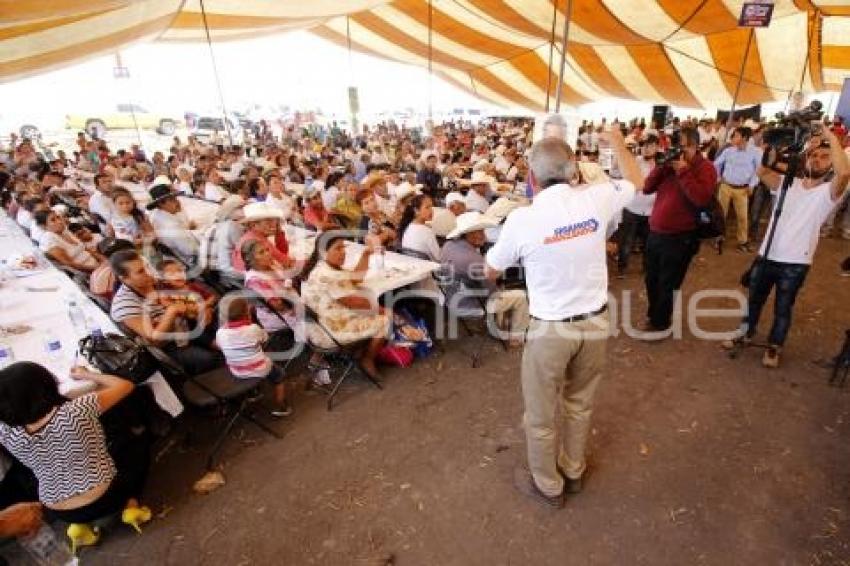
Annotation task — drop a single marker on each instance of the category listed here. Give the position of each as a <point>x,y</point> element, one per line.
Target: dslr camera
<point>792,131</point>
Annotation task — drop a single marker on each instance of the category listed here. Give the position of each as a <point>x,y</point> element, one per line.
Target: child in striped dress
<point>241,341</point>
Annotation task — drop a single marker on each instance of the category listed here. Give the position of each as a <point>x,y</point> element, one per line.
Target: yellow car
<point>125,116</point>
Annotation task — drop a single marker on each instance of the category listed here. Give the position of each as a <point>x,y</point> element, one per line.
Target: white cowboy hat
<point>470,222</point>
<point>405,190</point>
<point>161,180</point>
<point>453,197</point>
<point>228,206</point>
<point>261,211</point>
<point>479,178</point>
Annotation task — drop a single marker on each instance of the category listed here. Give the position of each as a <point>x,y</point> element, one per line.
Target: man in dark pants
<point>681,187</point>
<point>808,202</point>
<point>634,226</point>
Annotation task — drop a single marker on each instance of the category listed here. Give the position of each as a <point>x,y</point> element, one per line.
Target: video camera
<point>792,131</point>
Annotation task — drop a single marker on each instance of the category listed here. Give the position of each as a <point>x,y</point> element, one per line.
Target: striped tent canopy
<point>682,52</point>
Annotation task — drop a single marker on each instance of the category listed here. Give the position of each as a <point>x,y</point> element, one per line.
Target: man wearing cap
<point>171,227</point>
<point>461,254</point>
<point>262,221</point>
<point>560,240</point>
<point>736,167</point>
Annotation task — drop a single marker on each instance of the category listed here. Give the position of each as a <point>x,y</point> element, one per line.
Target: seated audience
<point>374,221</point>
<point>262,221</point>
<point>128,222</point>
<point>63,247</point>
<point>462,256</point>
<point>242,342</point>
<point>172,228</point>
<point>80,476</point>
<point>316,216</point>
<point>343,307</point>
<point>138,305</point>
<point>414,231</point>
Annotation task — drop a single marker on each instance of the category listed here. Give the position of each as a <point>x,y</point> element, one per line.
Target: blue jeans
<point>788,279</point>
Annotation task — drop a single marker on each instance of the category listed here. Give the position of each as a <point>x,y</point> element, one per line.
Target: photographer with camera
<point>808,201</point>
<point>684,182</point>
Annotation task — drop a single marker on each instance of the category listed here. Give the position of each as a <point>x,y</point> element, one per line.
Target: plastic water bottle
<point>7,356</point>
<point>94,328</point>
<point>77,316</point>
<point>46,549</point>
<point>52,348</point>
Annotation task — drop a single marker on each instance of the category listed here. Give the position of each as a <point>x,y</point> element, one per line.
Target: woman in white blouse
<point>415,233</point>
<point>62,246</point>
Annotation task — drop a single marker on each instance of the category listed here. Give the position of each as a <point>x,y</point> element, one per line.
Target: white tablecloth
<point>39,300</point>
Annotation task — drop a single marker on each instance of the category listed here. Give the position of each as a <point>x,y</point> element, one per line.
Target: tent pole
<point>351,108</point>
<point>740,80</point>
<point>551,53</point>
<point>215,74</point>
<point>567,17</point>
<point>430,63</point>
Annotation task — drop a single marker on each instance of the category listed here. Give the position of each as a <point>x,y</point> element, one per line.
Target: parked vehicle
<point>206,126</point>
<point>125,116</point>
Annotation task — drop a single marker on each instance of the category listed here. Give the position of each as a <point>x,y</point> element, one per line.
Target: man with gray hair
<point>560,241</point>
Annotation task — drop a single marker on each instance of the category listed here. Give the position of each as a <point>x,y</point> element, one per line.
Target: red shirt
<point>279,251</point>
<point>316,217</point>
<point>672,213</point>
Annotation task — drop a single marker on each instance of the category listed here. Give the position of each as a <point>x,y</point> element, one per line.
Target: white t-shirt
<point>560,240</point>
<point>102,205</point>
<point>184,188</point>
<point>329,196</point>
<point>76,251</point>
<point>475,202</point>
<point>125,227</point>
<point>642,203</point>
<point>213,192</point>
<point>803,213</point>
<point>420,238</point>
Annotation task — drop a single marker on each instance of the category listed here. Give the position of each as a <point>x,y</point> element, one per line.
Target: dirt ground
<point>695,459</point>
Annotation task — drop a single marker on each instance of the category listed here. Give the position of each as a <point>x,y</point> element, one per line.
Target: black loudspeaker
<point>659,115</point>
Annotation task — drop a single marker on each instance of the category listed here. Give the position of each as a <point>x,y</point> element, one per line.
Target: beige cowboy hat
<point>261,211</point>
<point>500,209</point>
<point>443,222</point>
<point>470,222</point>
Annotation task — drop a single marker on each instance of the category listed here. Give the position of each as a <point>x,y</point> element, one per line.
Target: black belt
<point>737,186</point>
<point>578,317</point>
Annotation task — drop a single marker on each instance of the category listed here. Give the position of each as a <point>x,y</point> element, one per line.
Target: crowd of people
<point>479,200</point>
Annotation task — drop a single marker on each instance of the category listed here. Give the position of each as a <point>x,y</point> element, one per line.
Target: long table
<point>38,299</point>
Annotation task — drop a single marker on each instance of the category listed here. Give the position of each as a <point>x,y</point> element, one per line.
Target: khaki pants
<point>740,200</point>
<point>562,364</point>
<point>514,304</point>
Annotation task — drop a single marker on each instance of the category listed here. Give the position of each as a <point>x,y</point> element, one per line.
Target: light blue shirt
<point>738,166</point>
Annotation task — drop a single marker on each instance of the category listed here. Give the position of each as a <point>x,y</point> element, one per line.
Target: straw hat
<point>230,205</point>
<point>260,211</point>
<point>470,222</point>
<point>500,209</point>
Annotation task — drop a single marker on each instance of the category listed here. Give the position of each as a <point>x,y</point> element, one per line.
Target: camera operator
<point>683,183</point>
<point>808,202</point>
